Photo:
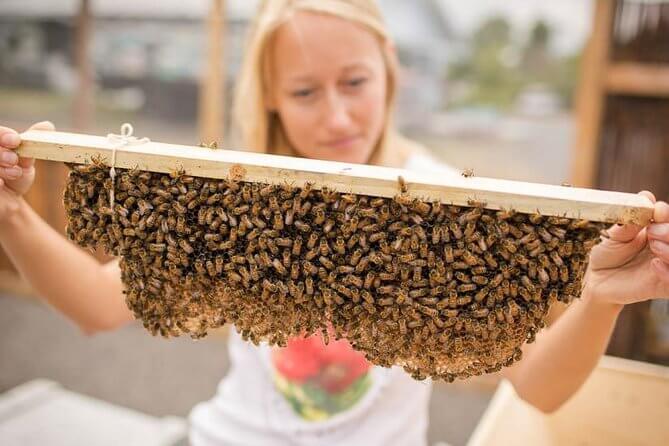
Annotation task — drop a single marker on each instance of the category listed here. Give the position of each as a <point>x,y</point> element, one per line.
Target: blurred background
<point>574,91</point>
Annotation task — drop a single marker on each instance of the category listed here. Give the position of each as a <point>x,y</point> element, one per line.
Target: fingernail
<point>9,157</point>
<point>13,172</point>
<point>659,230</point>
<point>10,140</point>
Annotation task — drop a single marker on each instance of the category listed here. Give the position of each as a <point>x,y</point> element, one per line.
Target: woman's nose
<point>337,114</point>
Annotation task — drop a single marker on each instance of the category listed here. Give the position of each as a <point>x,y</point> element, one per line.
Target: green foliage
<point>496,69</point>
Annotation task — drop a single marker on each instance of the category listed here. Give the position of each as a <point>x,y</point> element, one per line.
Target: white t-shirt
<point>256,405</point>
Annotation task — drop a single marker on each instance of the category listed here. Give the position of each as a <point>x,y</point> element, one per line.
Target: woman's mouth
<point>343,143</point>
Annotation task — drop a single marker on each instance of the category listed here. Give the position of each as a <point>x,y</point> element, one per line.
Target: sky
<point>570,19</point>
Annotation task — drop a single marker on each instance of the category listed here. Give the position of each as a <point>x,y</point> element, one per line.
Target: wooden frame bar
<point>638,79</point>
<point>359,179</point>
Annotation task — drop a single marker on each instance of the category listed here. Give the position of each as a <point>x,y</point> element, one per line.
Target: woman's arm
<point>555,366</point>
<point>631,266</point>
<point>68,278</point>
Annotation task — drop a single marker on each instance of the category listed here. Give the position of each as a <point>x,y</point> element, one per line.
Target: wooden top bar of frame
<point>359,179</point>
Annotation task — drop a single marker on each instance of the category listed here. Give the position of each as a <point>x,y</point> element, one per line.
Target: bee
<point>422,208</point>
<point>294,271</point>
<point>480,280</point>
<point>210,145</point>
<point>528,238</point>
<point>296,245</point>
<point>301,226</point>
<point>490,260</point>
<point>324,247</point>
<point>470,258</point>
<point>509,246</point>
<point>466,287</point>
<point>482,294</point>
<point>370,278</point>
<point>455,230</point>
<point>460,265</point>
<point>401,183</point>
<point>311,254</point>
<point>309,269</point>
<point>186,246</point>
<point>157,247</point>
<point>448,254</point>
<point>311,242</point>
<point>326,263</point>
<point>309,286</point>
<point>544,278</point>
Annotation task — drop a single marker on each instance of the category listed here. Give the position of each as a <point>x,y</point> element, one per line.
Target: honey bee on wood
<point>468,173</point>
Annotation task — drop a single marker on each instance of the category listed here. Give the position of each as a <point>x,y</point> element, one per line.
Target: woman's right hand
<point>16,174</point>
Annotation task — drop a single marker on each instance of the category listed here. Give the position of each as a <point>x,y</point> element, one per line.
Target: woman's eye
<point>303,93</point>
<point>356,82</point>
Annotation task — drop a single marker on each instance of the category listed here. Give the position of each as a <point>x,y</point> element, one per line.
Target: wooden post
<point>212,82</point>
<point>83,100</point>
<point>590,96</point>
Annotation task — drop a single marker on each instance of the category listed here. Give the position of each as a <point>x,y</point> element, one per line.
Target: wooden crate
<point>623,403</point>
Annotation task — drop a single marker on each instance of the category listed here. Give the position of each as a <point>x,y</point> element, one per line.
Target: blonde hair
<point>260,129</point>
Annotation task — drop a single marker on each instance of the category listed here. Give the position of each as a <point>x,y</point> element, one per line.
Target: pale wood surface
<point>590,96</point>
<point>638,79</point>
<point>83,97</point>
<point>622,403</point>
<point>346,178</point>
<point>211,101</point>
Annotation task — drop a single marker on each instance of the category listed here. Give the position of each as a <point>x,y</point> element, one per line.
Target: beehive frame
<point>530,198</point>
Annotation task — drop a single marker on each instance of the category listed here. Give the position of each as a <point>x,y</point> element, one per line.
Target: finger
<point>28,163</point>
<point>661,213</point>
<point>48,125</point>
<point>11,173</point>
<point>648,194</point>
<point>659,230</point>
<point>611,254</point>
<point>623,233</point>
<point>661,269</point>
<point>8,158</point>
<point>660,249</point>
<point>9,138</point>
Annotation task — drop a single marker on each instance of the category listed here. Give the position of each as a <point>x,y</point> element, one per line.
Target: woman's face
<point>328,85</point>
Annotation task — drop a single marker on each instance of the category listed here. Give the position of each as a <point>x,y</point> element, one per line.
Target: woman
<point>319,82</point>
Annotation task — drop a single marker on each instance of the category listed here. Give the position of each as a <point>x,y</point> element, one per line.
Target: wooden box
<point>623,403</point>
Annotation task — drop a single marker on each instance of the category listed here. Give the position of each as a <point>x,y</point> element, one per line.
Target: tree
<point>536,59</point>
<point>485,70</point>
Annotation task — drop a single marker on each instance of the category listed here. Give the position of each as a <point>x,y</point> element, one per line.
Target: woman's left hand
<point>633,264</point>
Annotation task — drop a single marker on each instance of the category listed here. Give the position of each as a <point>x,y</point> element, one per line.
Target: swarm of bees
<point>444,291</point>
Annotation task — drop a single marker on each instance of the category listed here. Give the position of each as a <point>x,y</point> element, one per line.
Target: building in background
<point>141,50</point>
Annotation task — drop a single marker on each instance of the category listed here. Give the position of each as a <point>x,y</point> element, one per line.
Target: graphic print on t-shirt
<point>319,380</point>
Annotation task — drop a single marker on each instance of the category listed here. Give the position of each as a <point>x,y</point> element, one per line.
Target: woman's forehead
<point>309,44</point>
